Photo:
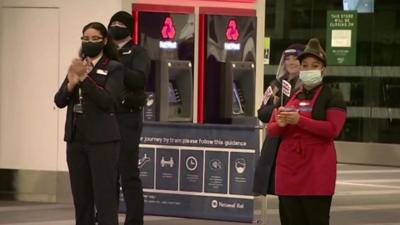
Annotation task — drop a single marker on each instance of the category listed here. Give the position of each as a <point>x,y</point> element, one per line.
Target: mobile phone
<point>289,109</point>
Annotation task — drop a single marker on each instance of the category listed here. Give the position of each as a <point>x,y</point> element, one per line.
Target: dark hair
<point>109,50</point>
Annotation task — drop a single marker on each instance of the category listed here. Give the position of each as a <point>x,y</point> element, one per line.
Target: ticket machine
<point>229,68</point>
<point>237,91</point>
<point>174,88</point>
<point>168,36</point>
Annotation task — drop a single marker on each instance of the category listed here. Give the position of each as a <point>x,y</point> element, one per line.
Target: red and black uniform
<point>93,141</point>
<point>306,161</point>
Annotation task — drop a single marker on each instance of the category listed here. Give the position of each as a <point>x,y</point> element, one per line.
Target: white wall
<point>27,116</point>
<point>17,149</point>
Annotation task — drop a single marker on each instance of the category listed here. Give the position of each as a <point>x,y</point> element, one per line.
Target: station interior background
<point>39,38</point>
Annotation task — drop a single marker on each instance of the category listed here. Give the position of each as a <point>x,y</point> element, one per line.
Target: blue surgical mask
<point>311,78</point>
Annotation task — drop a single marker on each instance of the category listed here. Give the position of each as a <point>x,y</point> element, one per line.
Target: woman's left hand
<point>290,117</point>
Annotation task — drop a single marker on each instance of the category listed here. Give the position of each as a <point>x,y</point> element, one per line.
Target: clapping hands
<point>77,72</point>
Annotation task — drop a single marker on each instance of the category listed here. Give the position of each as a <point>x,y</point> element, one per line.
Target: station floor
<point>365,195</point>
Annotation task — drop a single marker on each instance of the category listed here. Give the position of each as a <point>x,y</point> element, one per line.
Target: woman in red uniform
<point>306,161</point>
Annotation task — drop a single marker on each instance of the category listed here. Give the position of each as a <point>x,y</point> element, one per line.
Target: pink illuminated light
<point>168,30</point>
<point>232,31</point>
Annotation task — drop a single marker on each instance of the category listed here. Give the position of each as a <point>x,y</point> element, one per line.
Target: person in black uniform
<point>289,68</point>
<point>90,93</point>
<point>129,113</point>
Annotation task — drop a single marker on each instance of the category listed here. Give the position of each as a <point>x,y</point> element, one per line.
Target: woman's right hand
<point>77,69</point>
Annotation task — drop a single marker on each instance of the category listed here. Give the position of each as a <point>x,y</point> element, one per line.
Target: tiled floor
<point>365,195</point>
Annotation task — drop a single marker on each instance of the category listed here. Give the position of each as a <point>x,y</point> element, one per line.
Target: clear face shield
<point>281,71</point>
<point>275,85</point>
<point>287,66</point>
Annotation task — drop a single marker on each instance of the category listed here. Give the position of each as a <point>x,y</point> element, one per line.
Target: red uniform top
<point>306,161</point>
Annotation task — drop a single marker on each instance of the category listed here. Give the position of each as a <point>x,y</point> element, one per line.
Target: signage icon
<point>214,204</point>
<point>232,31</point>
<point>215,164</point>
<point>232,36</point>
<point>191,163</point>
<point>168,33</point>
<point>142,161</point>
<point>240,165</point>
<point>165,162</point>
<point>168,30</point>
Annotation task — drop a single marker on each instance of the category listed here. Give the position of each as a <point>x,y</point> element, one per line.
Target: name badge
<point>305,109</point>
<point>304,103</point>
<point>78,108</point>
<point>127,53</point>
<point>102,72</point>
<point>305,106</point>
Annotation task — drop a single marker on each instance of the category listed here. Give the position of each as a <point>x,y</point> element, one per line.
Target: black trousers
<point>304,210</point>
<point>131,128</point>
<point>93,176</point>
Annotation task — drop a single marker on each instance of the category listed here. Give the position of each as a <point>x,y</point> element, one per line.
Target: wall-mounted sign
<point>341,37</point>
<point>232,36</point>
<point>267,50</point>
<point>168,30</point>
<point>232,31</point>
<point>168,33</point>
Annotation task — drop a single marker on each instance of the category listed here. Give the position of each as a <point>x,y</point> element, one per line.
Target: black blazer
<point>137,65</point>
<point>264,173</point>
<point>100,91</point>
<point>136,69</point>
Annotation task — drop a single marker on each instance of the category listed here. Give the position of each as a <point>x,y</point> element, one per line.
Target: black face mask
<point>118,33</point>
<point>92,49</point>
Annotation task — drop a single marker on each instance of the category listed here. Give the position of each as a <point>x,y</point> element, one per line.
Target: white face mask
<point>310,78</point>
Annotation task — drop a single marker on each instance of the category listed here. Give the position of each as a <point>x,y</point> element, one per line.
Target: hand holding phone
<point>289,109</point>
<point>290,115</point>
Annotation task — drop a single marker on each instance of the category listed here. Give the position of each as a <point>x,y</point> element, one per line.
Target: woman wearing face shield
<point>306,161</point>
<point>288,69</point>
<point>89,91</point>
